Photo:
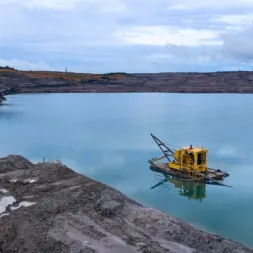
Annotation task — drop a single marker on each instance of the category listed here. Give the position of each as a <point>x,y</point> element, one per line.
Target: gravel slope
<point>47,207</point>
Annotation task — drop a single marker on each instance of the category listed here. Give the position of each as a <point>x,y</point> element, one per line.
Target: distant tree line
<point>115,73</point>
<point>6,67</point>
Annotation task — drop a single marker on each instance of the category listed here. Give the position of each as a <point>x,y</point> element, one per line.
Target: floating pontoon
<point>189,163</point>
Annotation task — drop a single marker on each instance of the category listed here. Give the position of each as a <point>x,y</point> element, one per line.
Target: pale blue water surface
<point>107,137</point>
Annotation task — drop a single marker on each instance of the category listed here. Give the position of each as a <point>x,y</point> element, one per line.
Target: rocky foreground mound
<point>47,207</point>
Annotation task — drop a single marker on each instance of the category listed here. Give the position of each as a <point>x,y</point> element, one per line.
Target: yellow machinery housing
<point>186,162</point>
<point>190,159</point>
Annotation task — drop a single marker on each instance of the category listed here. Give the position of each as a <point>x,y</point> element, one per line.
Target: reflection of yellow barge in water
<point>190,189</point>
<point>187,162</point>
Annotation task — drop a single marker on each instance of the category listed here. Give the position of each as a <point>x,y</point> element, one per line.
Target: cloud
<point>239,45</point>
<point>127,35</point>
<point>162,35</point>
<point>25,65</point>
<point>178,7</point>
<point>215,4</point>
<point>48,4</point>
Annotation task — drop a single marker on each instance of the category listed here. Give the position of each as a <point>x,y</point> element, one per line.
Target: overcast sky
<point>127,35</point>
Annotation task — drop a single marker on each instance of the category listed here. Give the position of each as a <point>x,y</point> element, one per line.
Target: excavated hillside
<point>47,207</point>
<point>14,81</point>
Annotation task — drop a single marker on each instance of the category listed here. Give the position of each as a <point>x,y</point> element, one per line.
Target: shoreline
<point>2,98</point>
<point>51,208</point>
<point>15,81</point>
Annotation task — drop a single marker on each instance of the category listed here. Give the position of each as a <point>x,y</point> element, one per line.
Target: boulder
<point>53,172</point>
<point>14,162</point>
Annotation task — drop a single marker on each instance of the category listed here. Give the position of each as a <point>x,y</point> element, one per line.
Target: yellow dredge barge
<point>189,163</point>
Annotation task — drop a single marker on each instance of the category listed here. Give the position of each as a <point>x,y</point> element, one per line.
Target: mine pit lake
<point>107,137</point>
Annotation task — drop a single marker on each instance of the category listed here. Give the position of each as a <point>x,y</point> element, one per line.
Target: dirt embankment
<point>14,81</point>
<point>47,207</point>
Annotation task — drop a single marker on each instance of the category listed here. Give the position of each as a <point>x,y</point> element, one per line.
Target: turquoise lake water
<point>107,137</point>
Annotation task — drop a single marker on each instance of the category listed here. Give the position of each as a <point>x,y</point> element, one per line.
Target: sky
<point>100,36</point>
